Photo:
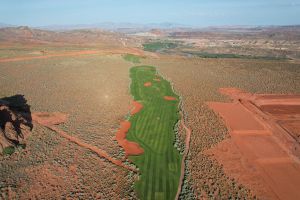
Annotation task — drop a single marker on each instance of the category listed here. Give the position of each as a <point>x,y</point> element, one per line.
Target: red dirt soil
<point>49,120</point>
<point>263,151</point>
<point>148,84</point>
<point>169,98</point>
<point>77,53</point>
<point>130,148</point>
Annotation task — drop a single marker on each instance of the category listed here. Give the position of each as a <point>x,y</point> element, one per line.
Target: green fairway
<point>159,46</point>
<point>153,129</point>
<point>132,58</point>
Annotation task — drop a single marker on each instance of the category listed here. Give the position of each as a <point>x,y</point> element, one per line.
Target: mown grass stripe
<point>146,117</point>
<point>159,166</point>
<point>159,131</point>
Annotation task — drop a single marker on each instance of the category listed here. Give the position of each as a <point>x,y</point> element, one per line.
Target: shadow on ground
<point>15,121</point>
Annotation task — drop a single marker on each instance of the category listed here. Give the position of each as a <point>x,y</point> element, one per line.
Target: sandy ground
<point>269,151</point>
<point>46,55</point>
<point>198,81</point>
<point>93,91</point>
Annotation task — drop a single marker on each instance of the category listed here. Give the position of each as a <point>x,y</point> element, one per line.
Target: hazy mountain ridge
<point>80,36</point>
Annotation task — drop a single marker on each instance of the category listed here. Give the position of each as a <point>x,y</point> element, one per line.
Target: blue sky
<point>189,12</point>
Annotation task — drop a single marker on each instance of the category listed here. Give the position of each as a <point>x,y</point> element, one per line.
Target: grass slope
<point>153,129</point>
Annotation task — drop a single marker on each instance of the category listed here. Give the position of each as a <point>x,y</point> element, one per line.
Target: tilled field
<point>198,81</point>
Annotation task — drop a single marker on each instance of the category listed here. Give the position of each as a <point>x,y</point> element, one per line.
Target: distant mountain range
<point>3,25</point>
<point>135,28</point>
<point>25,34</point>
<point>106,26</point>
<point>114,26</point>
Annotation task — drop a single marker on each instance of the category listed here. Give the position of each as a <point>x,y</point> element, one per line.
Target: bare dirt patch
<point>267,150</point>
<point>147,84</point>
<point>48,119</point>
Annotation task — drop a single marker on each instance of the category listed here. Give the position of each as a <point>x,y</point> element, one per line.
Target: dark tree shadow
<point>16,111</point>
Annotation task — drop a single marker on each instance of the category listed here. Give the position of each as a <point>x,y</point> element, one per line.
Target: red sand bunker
<point>169,98</point>
<point>130,148</point>
<point>148,84</point>
<point>49,120</point>
<point>263,152</point>
<point>136,107</point>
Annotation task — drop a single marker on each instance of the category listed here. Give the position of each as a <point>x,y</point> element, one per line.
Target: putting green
<point>153,129</point>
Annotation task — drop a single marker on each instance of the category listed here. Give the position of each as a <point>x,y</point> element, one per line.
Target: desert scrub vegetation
<point>8,150</point>
<point>198,82</point>
<point>95,97</point>
<point>153,129</point>
<point>229,55</point>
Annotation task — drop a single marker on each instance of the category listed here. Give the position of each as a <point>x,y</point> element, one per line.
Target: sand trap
<point>157,79</point>
<point>49,118</point>
<point>147,84</point>
<point>130,148</point>
<point>169,98</point>
<point>263,152</point>
<point>136,107</point>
